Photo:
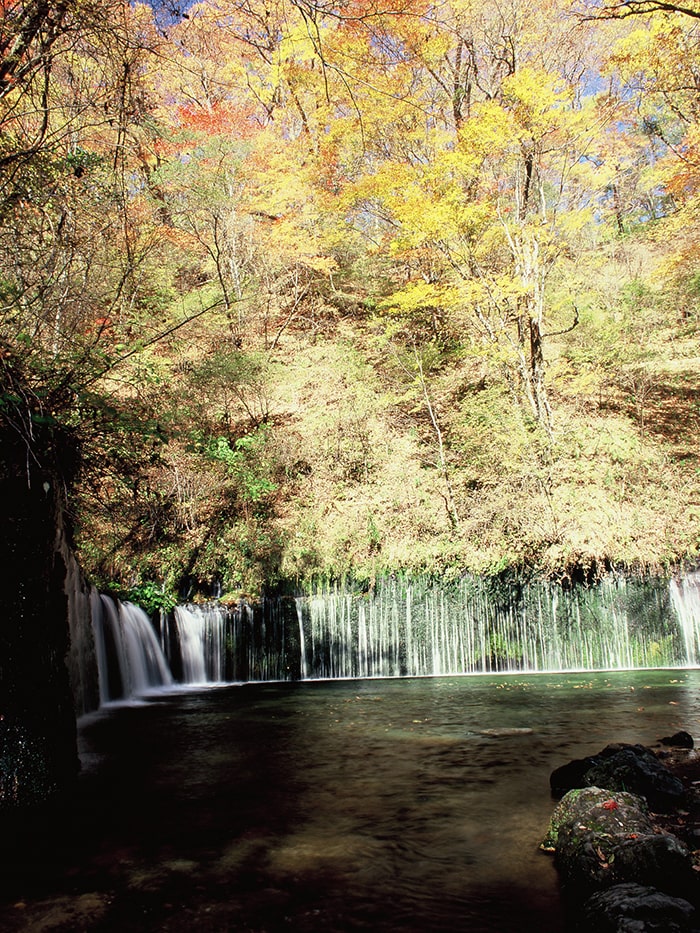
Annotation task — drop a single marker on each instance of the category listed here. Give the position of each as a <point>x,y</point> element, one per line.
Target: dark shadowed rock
<point>571,775</point>
<point>635,908</point>
<point>679,740</point>
<point>660,860</point>
<point>622,868</point>
<point>636,769</point>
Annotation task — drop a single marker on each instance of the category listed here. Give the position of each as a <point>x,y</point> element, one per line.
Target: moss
<point>600,811</point>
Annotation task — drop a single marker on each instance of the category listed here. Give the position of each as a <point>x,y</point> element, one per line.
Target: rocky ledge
<point>625,837</point>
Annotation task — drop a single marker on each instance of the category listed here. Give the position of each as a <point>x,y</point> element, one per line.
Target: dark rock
<point>635,908</point>
<point>636,769</point>
<point>573,774</point>
<point>679,740</point>
<point>622,868</point>
<point>600,811</point>
<point>602,838</point>
<point>590,826</point>
<point>614,747</point>
<point>570,776</point>
<point>583,860</point>
<point>660,860</point>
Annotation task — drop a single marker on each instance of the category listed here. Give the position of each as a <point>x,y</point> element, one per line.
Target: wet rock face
<point>589,860</point>
<point>571,775</point>
<point>597,810</point>
<point>660,860</point>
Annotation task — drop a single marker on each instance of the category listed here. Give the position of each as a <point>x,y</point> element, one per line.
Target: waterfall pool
<point>374,805</point>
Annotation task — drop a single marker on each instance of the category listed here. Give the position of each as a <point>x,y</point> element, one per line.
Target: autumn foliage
<point>429,270</point>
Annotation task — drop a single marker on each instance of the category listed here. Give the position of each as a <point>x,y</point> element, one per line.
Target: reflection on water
<point>397,805</point>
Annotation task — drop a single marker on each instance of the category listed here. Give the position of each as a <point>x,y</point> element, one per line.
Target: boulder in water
<point>660,860</point>
<point>633,768</point>
<point>598,809</point>
<point>571,776</point>
<point>637,769</point>
<point>636,908</point>
<point>680,739</point>
<point>602,838</point>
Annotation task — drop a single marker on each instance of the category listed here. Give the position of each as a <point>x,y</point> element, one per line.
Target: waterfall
<point>196,646</point>
<point>403,627</point>
<point>304,672</point>
<point>98,610</point>
<point>422,627</point>
<point>685,596</point>
<point>201,633</point>
<point>129,657</point>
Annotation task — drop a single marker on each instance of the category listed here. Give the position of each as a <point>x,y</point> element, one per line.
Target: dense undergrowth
<point>336,468</point>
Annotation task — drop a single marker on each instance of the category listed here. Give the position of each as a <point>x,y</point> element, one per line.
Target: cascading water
<point>414,628</point>
<point>685,597</point>
<point>403,627</point>
<point>202,638</point>
<point>130,660</point>
<point>198,645</point>
<point>304,666</point>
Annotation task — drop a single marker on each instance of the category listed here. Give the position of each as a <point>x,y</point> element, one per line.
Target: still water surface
<point>378,805</point>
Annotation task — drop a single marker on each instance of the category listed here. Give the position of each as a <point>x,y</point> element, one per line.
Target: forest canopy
<point>319,288</point>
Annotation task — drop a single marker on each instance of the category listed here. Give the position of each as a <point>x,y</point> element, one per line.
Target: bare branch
<point>27,34</point>
<point>567,330</point>
<point>621,9</point>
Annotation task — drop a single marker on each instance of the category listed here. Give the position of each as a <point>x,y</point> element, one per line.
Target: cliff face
<point>38,752</point>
